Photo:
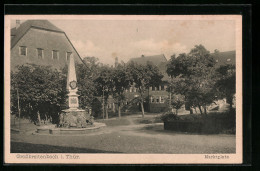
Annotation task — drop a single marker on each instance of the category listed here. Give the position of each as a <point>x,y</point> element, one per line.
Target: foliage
<point>86,85</point>
<point>169,116</point>
<point>142,77</point>
<point>96,107</point>
<point>41,92</point>
<point>104,84</point>
<point>226,83</point>
<point>121,81</point>
<point>177,101</point>
<point>212,123</point>
<point>193,76</point>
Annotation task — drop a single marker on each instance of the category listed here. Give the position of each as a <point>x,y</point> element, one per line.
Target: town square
<point>123,86</point>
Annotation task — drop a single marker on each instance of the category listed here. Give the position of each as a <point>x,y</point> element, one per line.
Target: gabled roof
<point>24,27</point>
<point>38,24</point>
<point>159,60</point>
<point>224,58</point>
<point>156,59</point>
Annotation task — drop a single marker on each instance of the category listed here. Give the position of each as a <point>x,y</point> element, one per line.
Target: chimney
<point>18,22</point>
<point>116,61</point>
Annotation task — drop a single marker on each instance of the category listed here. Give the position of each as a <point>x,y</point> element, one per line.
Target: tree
<point>142,77</point>
<point>86,85</point>
<point>177,102</point>
<point>121,81</point>
<point>195,72</point>
<point>226,83</point>
<point>104,85</point>
<point>42,92</point>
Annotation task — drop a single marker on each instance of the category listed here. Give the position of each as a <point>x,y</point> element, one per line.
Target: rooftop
<point>224,58</point>
<point>25,26</point>
<point>156,59</point>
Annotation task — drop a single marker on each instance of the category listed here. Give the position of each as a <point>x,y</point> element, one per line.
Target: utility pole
<point>18,107</point>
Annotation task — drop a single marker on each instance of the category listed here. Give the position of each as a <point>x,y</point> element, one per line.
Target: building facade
<point>155,97</point>
<point>42,43</point>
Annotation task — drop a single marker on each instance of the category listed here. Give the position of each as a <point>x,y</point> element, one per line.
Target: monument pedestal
<point>76,118</point>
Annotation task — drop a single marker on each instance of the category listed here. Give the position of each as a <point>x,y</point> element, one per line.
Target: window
<point>157,100</point>
<point>162,87</point>
<point>68,54</point>
<point>40,53</point>
<point>55,55</point>
<point>23,50</point>
<point>162,99</point>
<point>153,88</point>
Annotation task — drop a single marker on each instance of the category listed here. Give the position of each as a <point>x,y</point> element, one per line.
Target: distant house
<point>224,58</point>
<point>156,97</point>
<point>42,43</point>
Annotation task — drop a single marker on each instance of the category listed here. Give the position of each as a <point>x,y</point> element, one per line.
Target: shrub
<point>212,123</point>
<point>169,116</point>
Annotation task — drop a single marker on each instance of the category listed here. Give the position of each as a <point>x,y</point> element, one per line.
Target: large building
<point>156,97</point>
<point>42,43</point>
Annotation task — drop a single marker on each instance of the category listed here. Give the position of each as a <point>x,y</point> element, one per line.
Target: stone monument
<point>73,116</point>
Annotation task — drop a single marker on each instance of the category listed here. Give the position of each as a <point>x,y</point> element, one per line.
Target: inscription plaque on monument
<point>73,102</point>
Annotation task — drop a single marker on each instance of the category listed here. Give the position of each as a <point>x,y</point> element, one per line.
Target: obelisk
<point>72,87</point>
<point>73,117</point>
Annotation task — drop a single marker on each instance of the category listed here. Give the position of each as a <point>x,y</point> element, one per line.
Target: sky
<point>125,39</point>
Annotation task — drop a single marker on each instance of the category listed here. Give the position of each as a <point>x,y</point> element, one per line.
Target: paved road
<point>133,138</point>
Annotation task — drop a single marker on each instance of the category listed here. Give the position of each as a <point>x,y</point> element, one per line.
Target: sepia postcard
<point>123,89</point>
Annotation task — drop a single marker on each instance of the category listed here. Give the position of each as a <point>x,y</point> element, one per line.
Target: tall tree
<point>226,83</point>
<point>195,72</point>
<point>121,81</point>
<point>104,85</point>
<point>42,92</point>
<point>142,77</point>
